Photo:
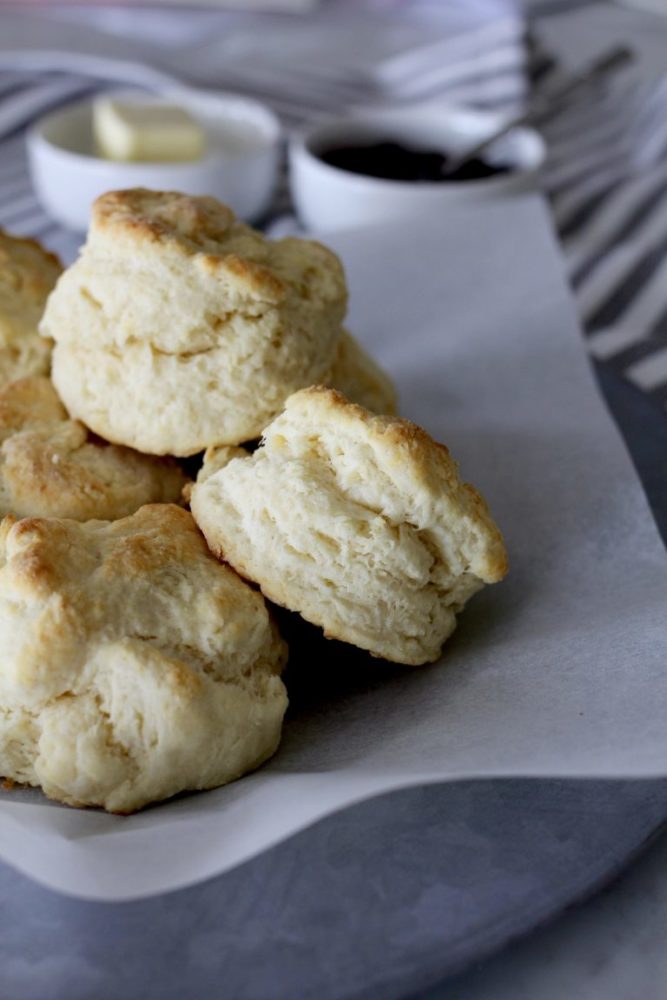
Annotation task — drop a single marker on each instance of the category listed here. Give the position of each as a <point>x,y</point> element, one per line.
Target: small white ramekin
<point>329,198</point>
<point>68,175</point>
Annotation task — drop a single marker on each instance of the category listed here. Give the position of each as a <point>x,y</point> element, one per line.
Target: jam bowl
<point>378,165</point>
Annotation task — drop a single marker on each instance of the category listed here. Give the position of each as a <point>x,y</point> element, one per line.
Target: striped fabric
<point>607,179</point>
<point>23,98</point>
<point>606,174</point>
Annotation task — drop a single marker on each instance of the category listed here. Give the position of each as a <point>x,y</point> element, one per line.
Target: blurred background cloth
<point>607,168</point>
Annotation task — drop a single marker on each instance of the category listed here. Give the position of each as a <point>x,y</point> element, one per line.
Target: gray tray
<point>381,901</point>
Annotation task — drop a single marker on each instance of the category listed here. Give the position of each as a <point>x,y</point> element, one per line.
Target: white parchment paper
<point>560,670</point>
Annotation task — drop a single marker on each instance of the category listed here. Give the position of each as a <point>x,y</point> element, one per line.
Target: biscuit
<point>134,665</point>
<point>179,327</point>
<point>360,523</point>
<point>28,272</point>
<point>360,379</point>
<point>50,466</point>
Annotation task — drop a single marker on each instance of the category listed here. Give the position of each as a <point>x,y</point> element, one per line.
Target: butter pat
<point>146,131</point>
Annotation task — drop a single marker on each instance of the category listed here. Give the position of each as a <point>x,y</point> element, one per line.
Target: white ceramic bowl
<point>328,198</point>
<point>240,166</point>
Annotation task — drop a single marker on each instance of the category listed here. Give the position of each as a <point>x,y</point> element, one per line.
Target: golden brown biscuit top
<point>48,553</point>
<point>29,404</point>
<point>28,272</point>
<point>52,466</point>
<point>149,576</point>
<point>201,222</point>
<point>205,228</point>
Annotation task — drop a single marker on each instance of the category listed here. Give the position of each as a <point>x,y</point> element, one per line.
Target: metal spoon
<point>547,105</point>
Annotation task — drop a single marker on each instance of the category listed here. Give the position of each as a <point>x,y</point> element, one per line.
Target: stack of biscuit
<point>141,657</point>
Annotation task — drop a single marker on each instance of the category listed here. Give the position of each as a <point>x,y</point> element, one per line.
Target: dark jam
<point>393,161</point>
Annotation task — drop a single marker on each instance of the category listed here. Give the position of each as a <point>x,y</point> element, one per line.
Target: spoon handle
<point>546,106</point>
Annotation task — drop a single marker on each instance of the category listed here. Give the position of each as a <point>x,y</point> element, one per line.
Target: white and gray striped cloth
<point>606,173</point>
